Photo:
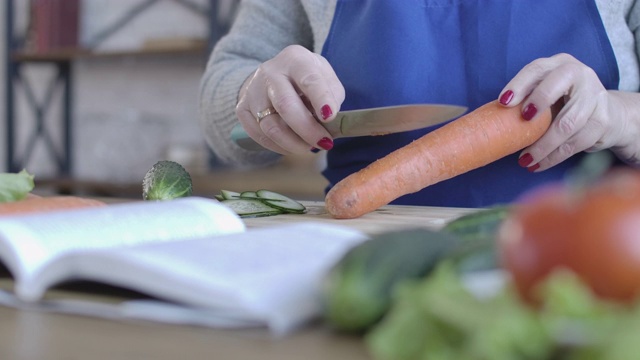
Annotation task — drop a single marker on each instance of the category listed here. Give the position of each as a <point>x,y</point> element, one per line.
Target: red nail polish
<point>326,112</point>
<point>533,168</point>
<point>529,112</point>
<point>506,98</point>
<point>325,143</point>
<point>525,160</point>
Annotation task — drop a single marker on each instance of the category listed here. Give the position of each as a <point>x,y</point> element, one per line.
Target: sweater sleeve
<point>620,19</point>
<point>633,19</point>
<point>260,31</point>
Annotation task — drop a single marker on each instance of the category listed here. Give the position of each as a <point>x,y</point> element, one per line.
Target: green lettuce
<point>437,318</point>
<point>15,187</point>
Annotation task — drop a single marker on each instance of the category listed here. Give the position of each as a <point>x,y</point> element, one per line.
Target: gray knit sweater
<point>264,27</point>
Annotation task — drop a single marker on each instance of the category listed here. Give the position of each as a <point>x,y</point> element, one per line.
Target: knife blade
<point>373,121</point>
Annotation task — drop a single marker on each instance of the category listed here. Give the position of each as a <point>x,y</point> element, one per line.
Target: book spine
<point>72,14</point>
<point>41,25</point>
<point>67,14</point>
<point>54,24</point>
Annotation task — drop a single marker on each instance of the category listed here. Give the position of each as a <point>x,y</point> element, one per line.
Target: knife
<point>373,121</point>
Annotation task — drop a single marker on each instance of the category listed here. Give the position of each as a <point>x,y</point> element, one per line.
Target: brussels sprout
<point>166,180</point>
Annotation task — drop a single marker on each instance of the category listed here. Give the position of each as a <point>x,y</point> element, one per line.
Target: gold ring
<point>264,113</point>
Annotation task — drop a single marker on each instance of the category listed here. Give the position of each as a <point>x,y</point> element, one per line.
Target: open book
<point>190,260</point>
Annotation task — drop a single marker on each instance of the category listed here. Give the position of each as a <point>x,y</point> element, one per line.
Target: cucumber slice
<point>229,195</point>
<point>281,202</point>
<point>259,203</point>
<point>248,195</point>
<point>251,195</point>
<point>251,208</point>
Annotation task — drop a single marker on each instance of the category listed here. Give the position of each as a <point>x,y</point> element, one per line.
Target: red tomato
<point>607,254</point>
<point>531,241</point>
<point>595,233</point>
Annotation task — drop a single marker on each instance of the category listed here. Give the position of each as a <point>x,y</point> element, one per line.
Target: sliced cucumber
<point>251,208</point>
<point>280,201</point>
<point>248,195</point>
<point>259,203</point>
<point>251,195</point>
<point>229,195</point>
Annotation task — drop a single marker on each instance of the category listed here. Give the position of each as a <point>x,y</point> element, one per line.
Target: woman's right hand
<point>303,89</point>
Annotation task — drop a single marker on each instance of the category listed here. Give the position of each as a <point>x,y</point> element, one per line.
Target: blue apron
<point>391,52</point>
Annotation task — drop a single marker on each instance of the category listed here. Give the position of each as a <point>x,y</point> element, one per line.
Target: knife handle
<point>240,137</point>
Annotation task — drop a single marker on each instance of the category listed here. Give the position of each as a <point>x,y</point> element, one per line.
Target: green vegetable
<point>437,318</point>
<point>15,187</point>
<point>229,195</point>
<point>478,225</point>
<point>359,288</point>
<point>166,180</point>
<point>279,201</point>
<point>478,230</point>
<point>251,208</point>
<point>259,203</point>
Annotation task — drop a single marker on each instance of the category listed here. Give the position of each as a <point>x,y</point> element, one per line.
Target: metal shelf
<point>78,54</point>
<point>62,62</point>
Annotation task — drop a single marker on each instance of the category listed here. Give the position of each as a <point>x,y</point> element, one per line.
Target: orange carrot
<point>33,204</point>
<point>476,139</point>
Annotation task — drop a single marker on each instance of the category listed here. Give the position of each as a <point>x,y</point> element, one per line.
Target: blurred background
<point>96,91</point>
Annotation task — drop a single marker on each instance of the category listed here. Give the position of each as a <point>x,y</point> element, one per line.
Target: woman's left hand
<point>587,117</point>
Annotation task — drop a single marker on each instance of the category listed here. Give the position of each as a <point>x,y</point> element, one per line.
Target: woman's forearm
<point>260,31</point>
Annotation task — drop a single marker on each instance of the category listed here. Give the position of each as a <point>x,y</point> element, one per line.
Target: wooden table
<point>35,335</point>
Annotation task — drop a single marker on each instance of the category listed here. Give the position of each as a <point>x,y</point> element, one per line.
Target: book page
<point>270,275</point>
<point>27,242</point>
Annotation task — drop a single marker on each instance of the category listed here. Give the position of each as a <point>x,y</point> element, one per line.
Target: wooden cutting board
<point>391,217</point>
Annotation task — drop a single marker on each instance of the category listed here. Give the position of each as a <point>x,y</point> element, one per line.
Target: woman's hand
<point>587,116</point>
<point>303,89</point>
